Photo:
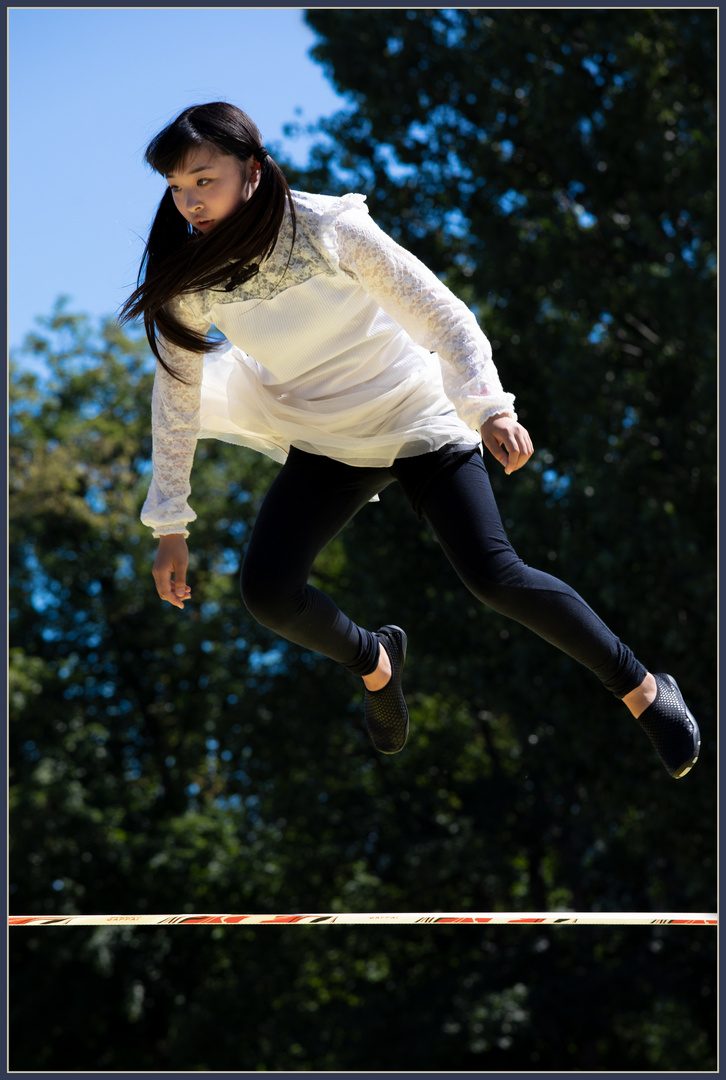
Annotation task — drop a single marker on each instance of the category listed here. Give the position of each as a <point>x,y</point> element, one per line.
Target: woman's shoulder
<point>317,218</point>
<point>317,215</point>
<point>321,206</point>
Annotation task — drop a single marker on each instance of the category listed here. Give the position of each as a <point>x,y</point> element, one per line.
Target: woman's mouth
<point>203,223</point>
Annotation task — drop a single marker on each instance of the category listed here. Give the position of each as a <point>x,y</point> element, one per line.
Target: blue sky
<point>87,90</point>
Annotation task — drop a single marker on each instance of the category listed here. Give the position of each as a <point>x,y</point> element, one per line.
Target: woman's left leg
<point>458,502</point>
<point>460,507</point>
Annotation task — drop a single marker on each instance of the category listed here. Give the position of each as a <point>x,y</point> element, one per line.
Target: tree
<point>195,763</point>
<point>558,168</point>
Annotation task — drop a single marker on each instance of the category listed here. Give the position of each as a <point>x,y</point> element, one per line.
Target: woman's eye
<point>202,180</point>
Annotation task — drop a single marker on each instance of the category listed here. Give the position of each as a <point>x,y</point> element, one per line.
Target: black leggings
<point>313,497</point>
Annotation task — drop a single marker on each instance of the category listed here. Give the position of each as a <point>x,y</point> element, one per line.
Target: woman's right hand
<point>170,570</point>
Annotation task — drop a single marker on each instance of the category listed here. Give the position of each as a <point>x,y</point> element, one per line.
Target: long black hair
<point>177,257</point>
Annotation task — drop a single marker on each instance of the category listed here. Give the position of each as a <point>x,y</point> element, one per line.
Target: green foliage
<point>558,168</point>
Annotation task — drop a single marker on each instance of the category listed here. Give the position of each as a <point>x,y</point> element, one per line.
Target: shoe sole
<point>404,646</point>
<point>682,770</point>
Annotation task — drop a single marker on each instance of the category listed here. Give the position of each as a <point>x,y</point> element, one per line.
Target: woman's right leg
<point>309,502</point>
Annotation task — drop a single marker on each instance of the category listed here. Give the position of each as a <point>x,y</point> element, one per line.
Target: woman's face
<point>208,186</point>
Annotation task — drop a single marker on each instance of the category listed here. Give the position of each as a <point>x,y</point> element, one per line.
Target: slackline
<point>495,918</point>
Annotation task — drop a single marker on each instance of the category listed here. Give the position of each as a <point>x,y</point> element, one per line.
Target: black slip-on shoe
<point>671,728</point>
<point>385,710</point>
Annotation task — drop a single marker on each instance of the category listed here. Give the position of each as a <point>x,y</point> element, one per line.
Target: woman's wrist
<point>498,416</point>
<point>181,533</point>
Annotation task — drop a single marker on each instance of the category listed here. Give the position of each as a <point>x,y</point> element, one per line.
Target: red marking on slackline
<point>694,922</point>
<point>468,919</point>
<point>215,920</point>
<point>285,918</point>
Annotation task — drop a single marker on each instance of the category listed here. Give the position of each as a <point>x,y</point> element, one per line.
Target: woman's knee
<point>493,580</point>
<point>270,601</point>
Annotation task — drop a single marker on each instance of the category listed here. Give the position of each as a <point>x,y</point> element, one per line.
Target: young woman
<point>348,360</point>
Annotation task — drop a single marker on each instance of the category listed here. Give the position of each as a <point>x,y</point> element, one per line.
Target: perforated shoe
<point>386,714</point>
<point>671,728</point>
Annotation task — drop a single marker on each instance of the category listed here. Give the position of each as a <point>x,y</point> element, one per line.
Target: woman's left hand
<point>508,441</point>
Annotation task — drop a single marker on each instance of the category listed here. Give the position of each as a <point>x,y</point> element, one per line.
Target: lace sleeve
<point>175,426</point>
<point>429,312</point>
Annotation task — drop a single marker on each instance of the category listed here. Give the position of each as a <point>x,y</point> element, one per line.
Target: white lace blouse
<point>360,353</point>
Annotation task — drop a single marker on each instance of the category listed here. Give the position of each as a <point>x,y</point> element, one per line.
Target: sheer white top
<point>354,350</point>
